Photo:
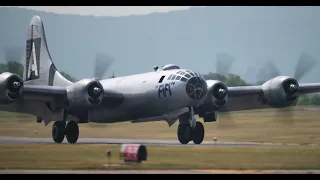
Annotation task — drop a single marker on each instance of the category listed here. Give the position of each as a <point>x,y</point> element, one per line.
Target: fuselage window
<point>187,75</point>
<point>169,77</point>
<point>178,77</point>
<point>182,73</point>
<point>173,77</point>
<point>161,79</point>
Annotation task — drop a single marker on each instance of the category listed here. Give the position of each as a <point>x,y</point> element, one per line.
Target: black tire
<point>184,132</point>
<point>198,134</point>
<point>58,131</point>
<point>72,132</point>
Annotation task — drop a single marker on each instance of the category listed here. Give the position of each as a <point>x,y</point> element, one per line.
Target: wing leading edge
<point>45,93</point>
<point>249,97</point>
<point>307,88</point>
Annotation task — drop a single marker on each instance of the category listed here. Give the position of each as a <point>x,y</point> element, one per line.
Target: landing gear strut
<point>60,129</point>
<point>189,129</point>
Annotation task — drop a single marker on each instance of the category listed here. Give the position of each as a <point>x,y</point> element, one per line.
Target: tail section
<point>39,68</point>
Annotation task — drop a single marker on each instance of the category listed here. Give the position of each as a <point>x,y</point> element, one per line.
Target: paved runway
<point>214,171</point>
<point>152,142</point>
<point>155,143</point>
<point>135,141</point>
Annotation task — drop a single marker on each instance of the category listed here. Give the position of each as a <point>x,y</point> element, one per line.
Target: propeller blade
<point>284,116</point>
<point>102,64</point>
<point>224,62</point>
<point>13,54</point>
<point>13,58</point>
<point>113,76</point>
<point>305,63</point>
<point>250,75</point>
<point>226,120</point>
<point>268,71</point>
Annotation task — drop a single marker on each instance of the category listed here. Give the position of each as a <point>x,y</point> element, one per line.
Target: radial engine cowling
<point>217,95</point>
<point>11,87</point>
<point>280,91</point>
<point>85,94</point>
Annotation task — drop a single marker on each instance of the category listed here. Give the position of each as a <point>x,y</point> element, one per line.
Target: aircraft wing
<point>249,97</point>
<point>243,98</point>
<point>45,93</point>
<point>307,88</point>
<point>241,91</point>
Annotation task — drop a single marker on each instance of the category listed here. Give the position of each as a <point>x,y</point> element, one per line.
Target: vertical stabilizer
<point>39,68</point>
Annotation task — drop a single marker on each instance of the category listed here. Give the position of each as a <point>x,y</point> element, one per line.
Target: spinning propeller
<point>224,62</point>
<point>102,65</point>
<point>304,64</point>
<point>13,59</point>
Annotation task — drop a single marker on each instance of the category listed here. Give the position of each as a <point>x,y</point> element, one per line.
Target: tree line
<point>229,79</point>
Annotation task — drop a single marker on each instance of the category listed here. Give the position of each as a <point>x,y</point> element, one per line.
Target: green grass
<point>81,156</point>
<point>246,127</point>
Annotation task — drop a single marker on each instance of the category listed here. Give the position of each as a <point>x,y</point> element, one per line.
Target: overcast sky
<point>106,10</point>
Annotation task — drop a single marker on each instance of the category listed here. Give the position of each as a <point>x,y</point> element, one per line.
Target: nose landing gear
<point>61,129</point>
<point>189,129</point>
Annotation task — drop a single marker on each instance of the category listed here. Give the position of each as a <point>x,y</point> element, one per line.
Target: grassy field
<point>246,127</point>
<point>81,156</point>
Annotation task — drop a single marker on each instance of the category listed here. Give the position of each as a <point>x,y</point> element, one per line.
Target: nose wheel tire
<point>72,132</point>
<point>58,131</point>
<point>198,134</point>
<point>184,133</point>
<point>187,133</point>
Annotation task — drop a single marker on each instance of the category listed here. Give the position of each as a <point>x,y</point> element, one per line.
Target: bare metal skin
<point>169,93</point>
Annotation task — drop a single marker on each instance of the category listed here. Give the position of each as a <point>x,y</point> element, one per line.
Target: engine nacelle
<point>11,87</point>
<point>217,96</point>
<point>85,94</point>
<point>280,91</point>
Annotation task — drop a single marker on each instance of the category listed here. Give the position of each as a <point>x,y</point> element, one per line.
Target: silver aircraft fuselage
<point>145,95</point>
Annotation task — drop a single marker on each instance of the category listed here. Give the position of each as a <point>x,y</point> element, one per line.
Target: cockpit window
<point>178,77</point>
<point>185,75</point>
<point>184,79</point>
<point>190,72</point>
<point>193,81</point>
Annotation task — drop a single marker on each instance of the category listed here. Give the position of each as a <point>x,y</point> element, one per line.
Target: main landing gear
<point>189,129</point>
<point>61,129</point>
